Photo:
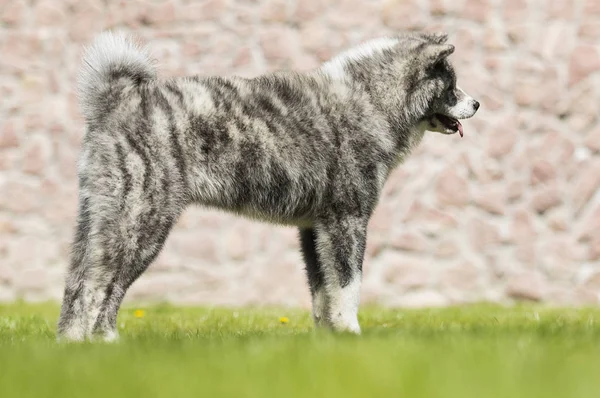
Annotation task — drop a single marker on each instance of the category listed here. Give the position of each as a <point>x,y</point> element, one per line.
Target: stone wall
<point>512,211</point>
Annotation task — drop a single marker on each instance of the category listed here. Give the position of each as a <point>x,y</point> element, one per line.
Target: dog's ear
<point>437,37</point>
<point>436,52</point>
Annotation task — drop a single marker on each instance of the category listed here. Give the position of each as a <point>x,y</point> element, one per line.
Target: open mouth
<point>450,123</point>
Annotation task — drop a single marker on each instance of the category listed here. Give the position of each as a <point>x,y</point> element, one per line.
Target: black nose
<point>476,105</point>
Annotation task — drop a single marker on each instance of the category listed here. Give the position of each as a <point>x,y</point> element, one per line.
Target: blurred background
<point>510,212</point>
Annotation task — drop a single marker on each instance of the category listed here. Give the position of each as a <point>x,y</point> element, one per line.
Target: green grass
<point>476,351</point>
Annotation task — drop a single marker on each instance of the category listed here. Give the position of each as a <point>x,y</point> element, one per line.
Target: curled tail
<point>110,63</point>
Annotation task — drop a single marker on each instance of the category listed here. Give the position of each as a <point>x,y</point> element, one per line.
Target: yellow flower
<point>139,313</point>
<point>284,319</point>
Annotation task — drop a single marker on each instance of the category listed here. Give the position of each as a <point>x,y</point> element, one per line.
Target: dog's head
<point>410,79</point>
<point>446,102</point>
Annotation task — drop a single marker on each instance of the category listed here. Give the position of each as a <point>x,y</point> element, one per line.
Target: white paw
<point>349,324</point>
<point>74,334</point>
<point>343,310</point>
<point>110,336</point>
<point>106,336</point>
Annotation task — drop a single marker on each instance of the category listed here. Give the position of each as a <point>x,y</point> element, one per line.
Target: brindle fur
<point>312,150</point>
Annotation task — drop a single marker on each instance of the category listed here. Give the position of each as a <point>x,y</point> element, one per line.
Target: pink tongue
<point>460,130</point>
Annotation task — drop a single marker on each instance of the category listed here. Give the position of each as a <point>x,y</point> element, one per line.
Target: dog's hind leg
<point>316,279</point>
<point>72,324</point>
<point>340,245</point>
<point>129,204</point>
<point>110,252</point>
<point>127,251</point>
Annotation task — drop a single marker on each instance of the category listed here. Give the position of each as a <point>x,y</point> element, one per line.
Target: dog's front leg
<point>340,244</point>
<point>314,272</point>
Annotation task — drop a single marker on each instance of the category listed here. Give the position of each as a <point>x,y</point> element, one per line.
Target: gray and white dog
<point>312,150</point>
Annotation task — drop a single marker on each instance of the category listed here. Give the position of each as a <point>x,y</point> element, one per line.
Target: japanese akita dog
<point>312,150</point>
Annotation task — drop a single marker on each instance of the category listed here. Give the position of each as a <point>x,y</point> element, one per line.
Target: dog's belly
<point>301,222</point>
<point>275,212</point>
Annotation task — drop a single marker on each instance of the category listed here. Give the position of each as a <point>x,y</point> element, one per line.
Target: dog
<point>311,150</point>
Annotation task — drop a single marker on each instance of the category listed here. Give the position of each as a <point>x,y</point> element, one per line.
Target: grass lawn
<point>475,351</point>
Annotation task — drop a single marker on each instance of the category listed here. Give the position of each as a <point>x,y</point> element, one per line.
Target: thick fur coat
<point>312,150</point>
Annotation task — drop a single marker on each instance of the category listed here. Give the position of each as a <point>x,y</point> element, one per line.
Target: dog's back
<point>266,147</point>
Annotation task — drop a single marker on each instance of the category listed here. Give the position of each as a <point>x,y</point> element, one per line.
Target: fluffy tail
<point>110,59</point>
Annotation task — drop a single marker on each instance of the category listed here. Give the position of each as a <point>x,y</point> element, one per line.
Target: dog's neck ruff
<point>335,68</point>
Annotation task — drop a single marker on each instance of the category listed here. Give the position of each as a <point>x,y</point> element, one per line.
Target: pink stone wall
<point>512,211</point>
